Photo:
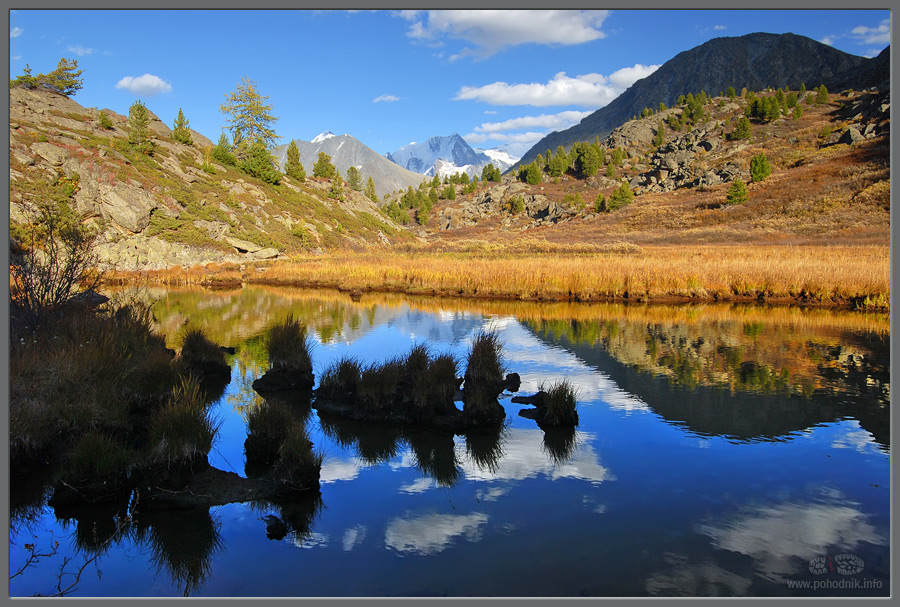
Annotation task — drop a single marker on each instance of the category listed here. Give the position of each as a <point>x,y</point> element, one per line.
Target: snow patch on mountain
<point>323,136</point>
<point>449,155</point>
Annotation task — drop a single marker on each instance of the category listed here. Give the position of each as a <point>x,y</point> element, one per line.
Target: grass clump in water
<point>484,379</point>
<point>199,353</point>
<point>341,380</point>
<point>288,346</point>
<point>560,404</point>
<point>182,430</point>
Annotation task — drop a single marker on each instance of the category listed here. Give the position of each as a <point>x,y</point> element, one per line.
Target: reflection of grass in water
<point>374,443</point>
<point>182,544</point>
<point>559,444</point>
<point>485,449</point>
<point>435,455</point>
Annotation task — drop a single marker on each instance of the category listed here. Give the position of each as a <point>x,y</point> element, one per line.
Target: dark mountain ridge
<point>755,61</point>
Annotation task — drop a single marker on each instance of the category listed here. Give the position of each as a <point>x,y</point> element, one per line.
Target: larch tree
<point>249,117</point>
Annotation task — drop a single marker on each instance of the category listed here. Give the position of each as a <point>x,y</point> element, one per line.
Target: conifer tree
<point>620,197</point>
<point>258,163</point>
<point>65,79</point>
<point>533,174</point>
<point>26,80</point>
<point>222,152</point>
<point>759,167</point>
<point>660,133</point>
<point>822,94</point>
<point>323,167</point>
<point>370,190</point>
<point>337,186</point>
<point>139,128</point>
<point>737,193</point>
<point>180,130</point>
<point>292,166</point>
<point>354,178</point>
<point>741,129</point>
<point>249,118</point>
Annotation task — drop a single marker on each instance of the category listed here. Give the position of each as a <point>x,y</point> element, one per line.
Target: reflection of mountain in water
<point>744,381</point>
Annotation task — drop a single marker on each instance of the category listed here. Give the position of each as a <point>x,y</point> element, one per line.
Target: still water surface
<point>720,450</point>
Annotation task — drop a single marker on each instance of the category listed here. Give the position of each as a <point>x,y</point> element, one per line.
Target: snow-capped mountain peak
<point>323,136</point>
<point>448,155</point>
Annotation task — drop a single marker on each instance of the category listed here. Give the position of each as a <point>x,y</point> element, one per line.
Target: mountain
<point>755,61</point>
<point>448,155</point>
<point>347,151</point>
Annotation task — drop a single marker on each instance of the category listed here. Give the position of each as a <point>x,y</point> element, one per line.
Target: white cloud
<point>591,90</point>
<point>558,121</point>
<point>15,32</point>
<point>147,85</point>
<point>16,57</point>
<point>386,98</point>
<point>79,50</point>
<point>829,40</point>
<point>490,111</point>
<point>720,27</point>
<point>873,35</point>
<point>493,30</point>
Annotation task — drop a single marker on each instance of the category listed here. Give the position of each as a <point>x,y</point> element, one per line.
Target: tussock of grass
<point>560,402</point>
<point>198,350</point>
<point>183,430</point>
<point>288,346</point>
<point>484,375</point>
<point>379,384</point>
<point>341,380</point>
<point>267,427</point>
<point>97,456</point>
<point>298,465</point>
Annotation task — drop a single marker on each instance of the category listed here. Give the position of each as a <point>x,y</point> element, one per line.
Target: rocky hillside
<point>174,207</point>
<point>830,179</point>
<point>754,61</point>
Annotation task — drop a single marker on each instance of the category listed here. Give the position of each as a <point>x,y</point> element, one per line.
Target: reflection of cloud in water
<point>420,485</point>
<point>353,537</point>
<point>432,533</point>
<point>529,357</point>
<point>782,537</point>
<point>523,457</point>
<point>695,579</point>
<point>312,540</point>
<point>855,437</point>
<point>491,494</point>
<point>334,469</point>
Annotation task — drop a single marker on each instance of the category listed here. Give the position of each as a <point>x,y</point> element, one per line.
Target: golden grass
<point>813,274</point>
<point>828,275</point>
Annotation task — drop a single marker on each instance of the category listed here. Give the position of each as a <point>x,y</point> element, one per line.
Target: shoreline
<point>837,277</point>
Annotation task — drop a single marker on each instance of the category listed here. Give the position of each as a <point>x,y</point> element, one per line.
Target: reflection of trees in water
<point>749,356</point>
<point>718,379</point>
<point>373,443</point>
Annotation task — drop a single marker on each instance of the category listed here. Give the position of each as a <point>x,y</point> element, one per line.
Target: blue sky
<point>392,77</point>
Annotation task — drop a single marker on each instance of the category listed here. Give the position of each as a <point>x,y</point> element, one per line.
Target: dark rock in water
<point>538,400</point>
<point>283,379</point>
<point>513,382</point>
<point>90,298</point>
<point>355,295</point>
<point>228,349</point>
<point>275,528</point>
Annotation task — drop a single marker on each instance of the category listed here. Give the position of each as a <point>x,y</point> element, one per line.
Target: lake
<point>721,451</point>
